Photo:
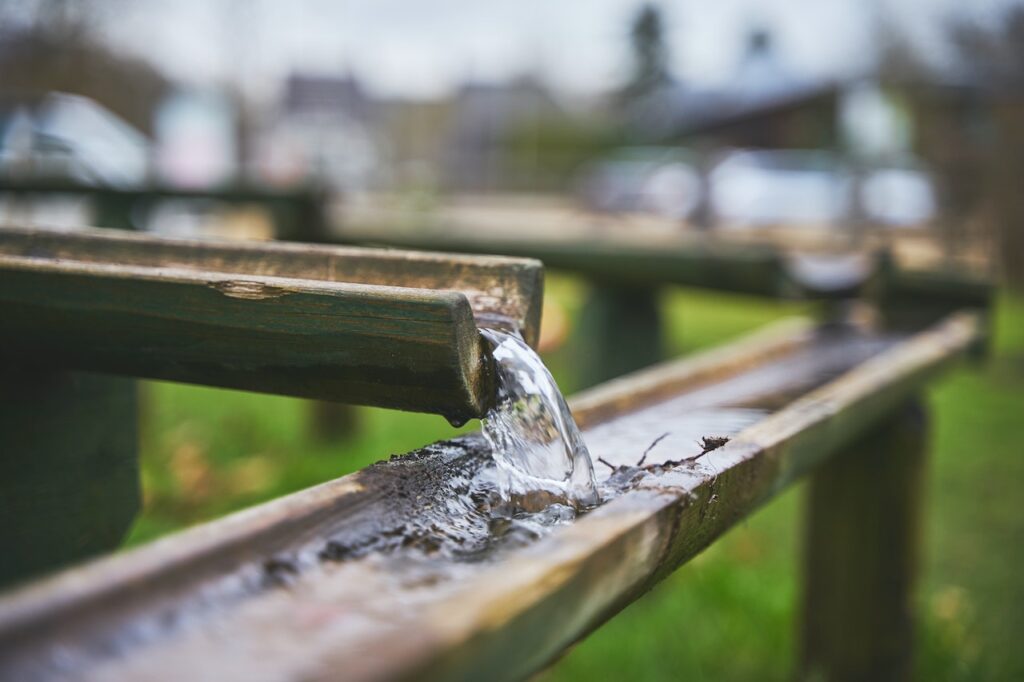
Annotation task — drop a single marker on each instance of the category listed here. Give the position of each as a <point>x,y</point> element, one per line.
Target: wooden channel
<point>686,261</point>
<point>376,327</point>
<point>350,580</point>
<point>912,298</point>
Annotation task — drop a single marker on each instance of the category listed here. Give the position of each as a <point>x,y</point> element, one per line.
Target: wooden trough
<point>366,326</point>
<point>395,572</point>
<point>627,272</point>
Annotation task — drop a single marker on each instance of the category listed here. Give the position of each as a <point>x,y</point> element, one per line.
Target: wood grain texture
<point>350,325</point>
<point>502,291</point>
<point>200,603</point>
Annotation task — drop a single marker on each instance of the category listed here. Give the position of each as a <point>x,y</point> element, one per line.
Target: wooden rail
<point>355,579</point>
<point>623,259</point>
<point>389,328</point>
<point>298,213</point>
<point>621,320</point>
<point>706,262</point>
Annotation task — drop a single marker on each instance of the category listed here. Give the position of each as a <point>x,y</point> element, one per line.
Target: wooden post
<point>69,482</point>
<point>113,211</point>
<point>331,422</point>
<point>619,331</point>
<point>863,521</point>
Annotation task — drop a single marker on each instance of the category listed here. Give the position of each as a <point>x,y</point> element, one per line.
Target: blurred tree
<point>52,45</point>
<point>650,55</point>
<point>945,134</point>
<point>995,59</point>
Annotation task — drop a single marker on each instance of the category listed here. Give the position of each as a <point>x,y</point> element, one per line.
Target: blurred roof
<point>327,94</point>
<point>490,108</point>
<point>762,83</point>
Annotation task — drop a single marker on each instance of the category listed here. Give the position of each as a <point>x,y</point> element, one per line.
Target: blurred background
<point>794,123</point>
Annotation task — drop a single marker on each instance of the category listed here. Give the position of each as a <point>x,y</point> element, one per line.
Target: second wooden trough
<point>398,572</point>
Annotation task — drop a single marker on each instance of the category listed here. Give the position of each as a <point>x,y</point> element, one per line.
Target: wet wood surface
<point>234,600</point>
<point>387,328</point>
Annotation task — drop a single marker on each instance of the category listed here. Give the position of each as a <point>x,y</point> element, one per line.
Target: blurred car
<point>657,181</point>
<point>773,187</point>
<point>794,187</point>
<point>902,197</point>
<point>72,137</point>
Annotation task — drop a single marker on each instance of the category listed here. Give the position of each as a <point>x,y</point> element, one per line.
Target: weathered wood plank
<point>910,299</point>
<point>691,261</point>
<point>237,598</point>
<point>657,384</point>
<point>393,347</point>
<point>517,616</point>
<point>224,315</point>
<point>501,291</point>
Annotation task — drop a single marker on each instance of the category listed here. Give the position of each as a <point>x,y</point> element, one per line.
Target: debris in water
<point>536,444</point>
<point>709,443</point>
<point>650,447</point>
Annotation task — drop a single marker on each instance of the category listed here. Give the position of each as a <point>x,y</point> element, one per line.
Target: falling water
<point>540,455</point>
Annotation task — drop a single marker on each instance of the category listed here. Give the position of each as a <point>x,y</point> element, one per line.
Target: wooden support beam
<point>69,480</point>
<point>619,332</point>
<point>348,579</point>
<point>391,329</point>
<point>861,555</point>
<point>913,299</point>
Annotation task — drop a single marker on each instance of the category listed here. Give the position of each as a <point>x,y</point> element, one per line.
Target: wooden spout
<point>368,326</point>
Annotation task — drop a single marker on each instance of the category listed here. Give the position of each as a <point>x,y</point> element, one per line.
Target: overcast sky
<point>425,47</point>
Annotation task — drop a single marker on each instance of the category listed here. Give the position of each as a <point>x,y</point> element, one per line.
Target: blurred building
<point>765,104</point>
<point>775,147</point>
<point>196,139</point>
<point>327,130</point>
<point>484,119</point>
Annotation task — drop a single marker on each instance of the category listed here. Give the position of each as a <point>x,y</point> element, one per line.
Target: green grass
<point>728,614</point>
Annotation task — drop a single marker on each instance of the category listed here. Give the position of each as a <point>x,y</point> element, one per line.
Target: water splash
<point>540,455</point>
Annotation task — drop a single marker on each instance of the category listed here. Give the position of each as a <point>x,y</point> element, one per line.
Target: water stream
<point>538,449</point>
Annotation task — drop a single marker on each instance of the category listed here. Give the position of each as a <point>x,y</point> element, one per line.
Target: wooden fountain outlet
<point>376,327</point>
<point>392,572</point>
